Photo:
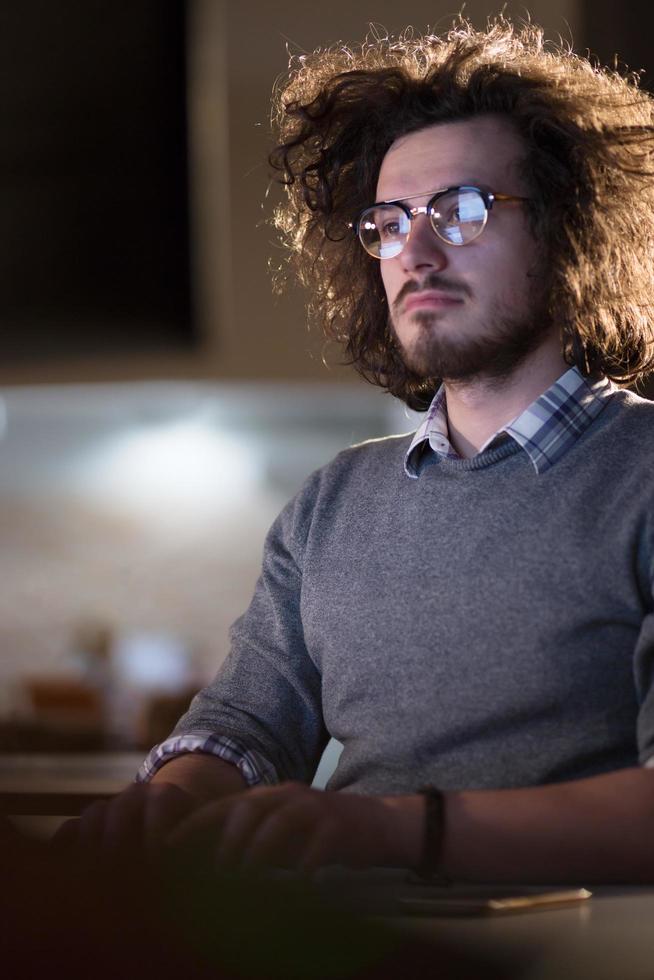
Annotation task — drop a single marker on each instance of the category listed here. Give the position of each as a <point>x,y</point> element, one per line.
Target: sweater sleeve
<point>644,652</point>
<point>267,694</point>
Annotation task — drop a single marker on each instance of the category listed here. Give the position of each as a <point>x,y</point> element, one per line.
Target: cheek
<point>513,273</point>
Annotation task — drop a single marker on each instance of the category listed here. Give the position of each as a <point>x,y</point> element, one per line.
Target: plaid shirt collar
<point>545,430</point>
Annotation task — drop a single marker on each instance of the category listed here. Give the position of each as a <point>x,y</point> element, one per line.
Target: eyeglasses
<point>457,216</point>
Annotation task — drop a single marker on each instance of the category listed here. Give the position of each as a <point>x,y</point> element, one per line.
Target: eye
<point>390,228</point>
<point>453,215</point>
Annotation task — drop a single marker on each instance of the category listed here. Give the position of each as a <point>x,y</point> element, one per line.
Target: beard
<point>493,356</point>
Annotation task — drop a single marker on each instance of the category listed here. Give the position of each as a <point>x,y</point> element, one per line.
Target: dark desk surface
<point>62,784</point>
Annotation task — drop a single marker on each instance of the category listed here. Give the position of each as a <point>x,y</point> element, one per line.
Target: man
<point>469,608</point>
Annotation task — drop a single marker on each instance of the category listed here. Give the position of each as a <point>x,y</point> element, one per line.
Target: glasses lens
<point>459,216</point>
<point>383,230</point>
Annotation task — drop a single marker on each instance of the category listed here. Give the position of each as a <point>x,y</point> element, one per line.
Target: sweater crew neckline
<point>488,457</point>
<point>545,430</point>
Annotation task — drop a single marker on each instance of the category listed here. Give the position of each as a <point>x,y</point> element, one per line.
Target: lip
<point>430,298</point>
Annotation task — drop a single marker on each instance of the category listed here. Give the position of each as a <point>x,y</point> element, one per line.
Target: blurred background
<point>158,403</point>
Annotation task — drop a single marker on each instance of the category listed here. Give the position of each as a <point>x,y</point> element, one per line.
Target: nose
<point>423,250</point>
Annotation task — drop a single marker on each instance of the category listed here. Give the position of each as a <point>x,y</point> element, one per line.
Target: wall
<point>237,50</point>
<point>140,510</point>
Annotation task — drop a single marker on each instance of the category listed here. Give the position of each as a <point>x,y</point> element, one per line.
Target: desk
<point>61,784</point>
<point>609,937</point>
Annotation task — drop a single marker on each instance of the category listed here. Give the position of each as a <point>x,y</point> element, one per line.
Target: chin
<point>430,357</point>
<point>432,351</point>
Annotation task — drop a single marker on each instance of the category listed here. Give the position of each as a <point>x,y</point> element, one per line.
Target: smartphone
<point>444,905</point>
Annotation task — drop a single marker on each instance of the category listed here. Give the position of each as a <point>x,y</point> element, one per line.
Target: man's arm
<point>204,777</point>
<point>597,829</point>
<point>262,708</point>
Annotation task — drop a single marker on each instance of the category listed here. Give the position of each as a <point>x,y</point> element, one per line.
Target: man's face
<point>472,311</point>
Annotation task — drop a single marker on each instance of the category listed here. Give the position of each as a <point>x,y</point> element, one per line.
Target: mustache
<point>433,281</point>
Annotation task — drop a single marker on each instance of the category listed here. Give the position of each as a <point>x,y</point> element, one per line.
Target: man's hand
<point>292,826</point>
<point>138,820</point>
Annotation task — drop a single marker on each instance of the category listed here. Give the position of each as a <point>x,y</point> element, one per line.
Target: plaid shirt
<point>253,767</point>
<point>545,430</point>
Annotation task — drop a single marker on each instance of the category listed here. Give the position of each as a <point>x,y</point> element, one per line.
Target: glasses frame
<point>488,198</point>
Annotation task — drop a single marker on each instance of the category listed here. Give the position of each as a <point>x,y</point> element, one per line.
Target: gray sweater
<point>481,626</point>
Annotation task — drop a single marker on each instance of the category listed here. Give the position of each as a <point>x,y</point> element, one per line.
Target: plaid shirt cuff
<point>255,769</point>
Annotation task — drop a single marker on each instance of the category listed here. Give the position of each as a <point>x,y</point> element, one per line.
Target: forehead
<point>485,150</point>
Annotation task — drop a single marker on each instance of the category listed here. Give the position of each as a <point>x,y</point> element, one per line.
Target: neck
<point>479,407</point>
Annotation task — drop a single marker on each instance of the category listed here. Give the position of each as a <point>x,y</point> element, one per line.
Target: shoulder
<point>616,454</point>
<point>631,418</point>
<point>354,471</point>
<point>347,482</point>
<point>384,453</point>
<point>630,401</point>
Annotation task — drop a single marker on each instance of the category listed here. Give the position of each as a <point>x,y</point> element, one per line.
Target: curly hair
<point>589,142</point>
